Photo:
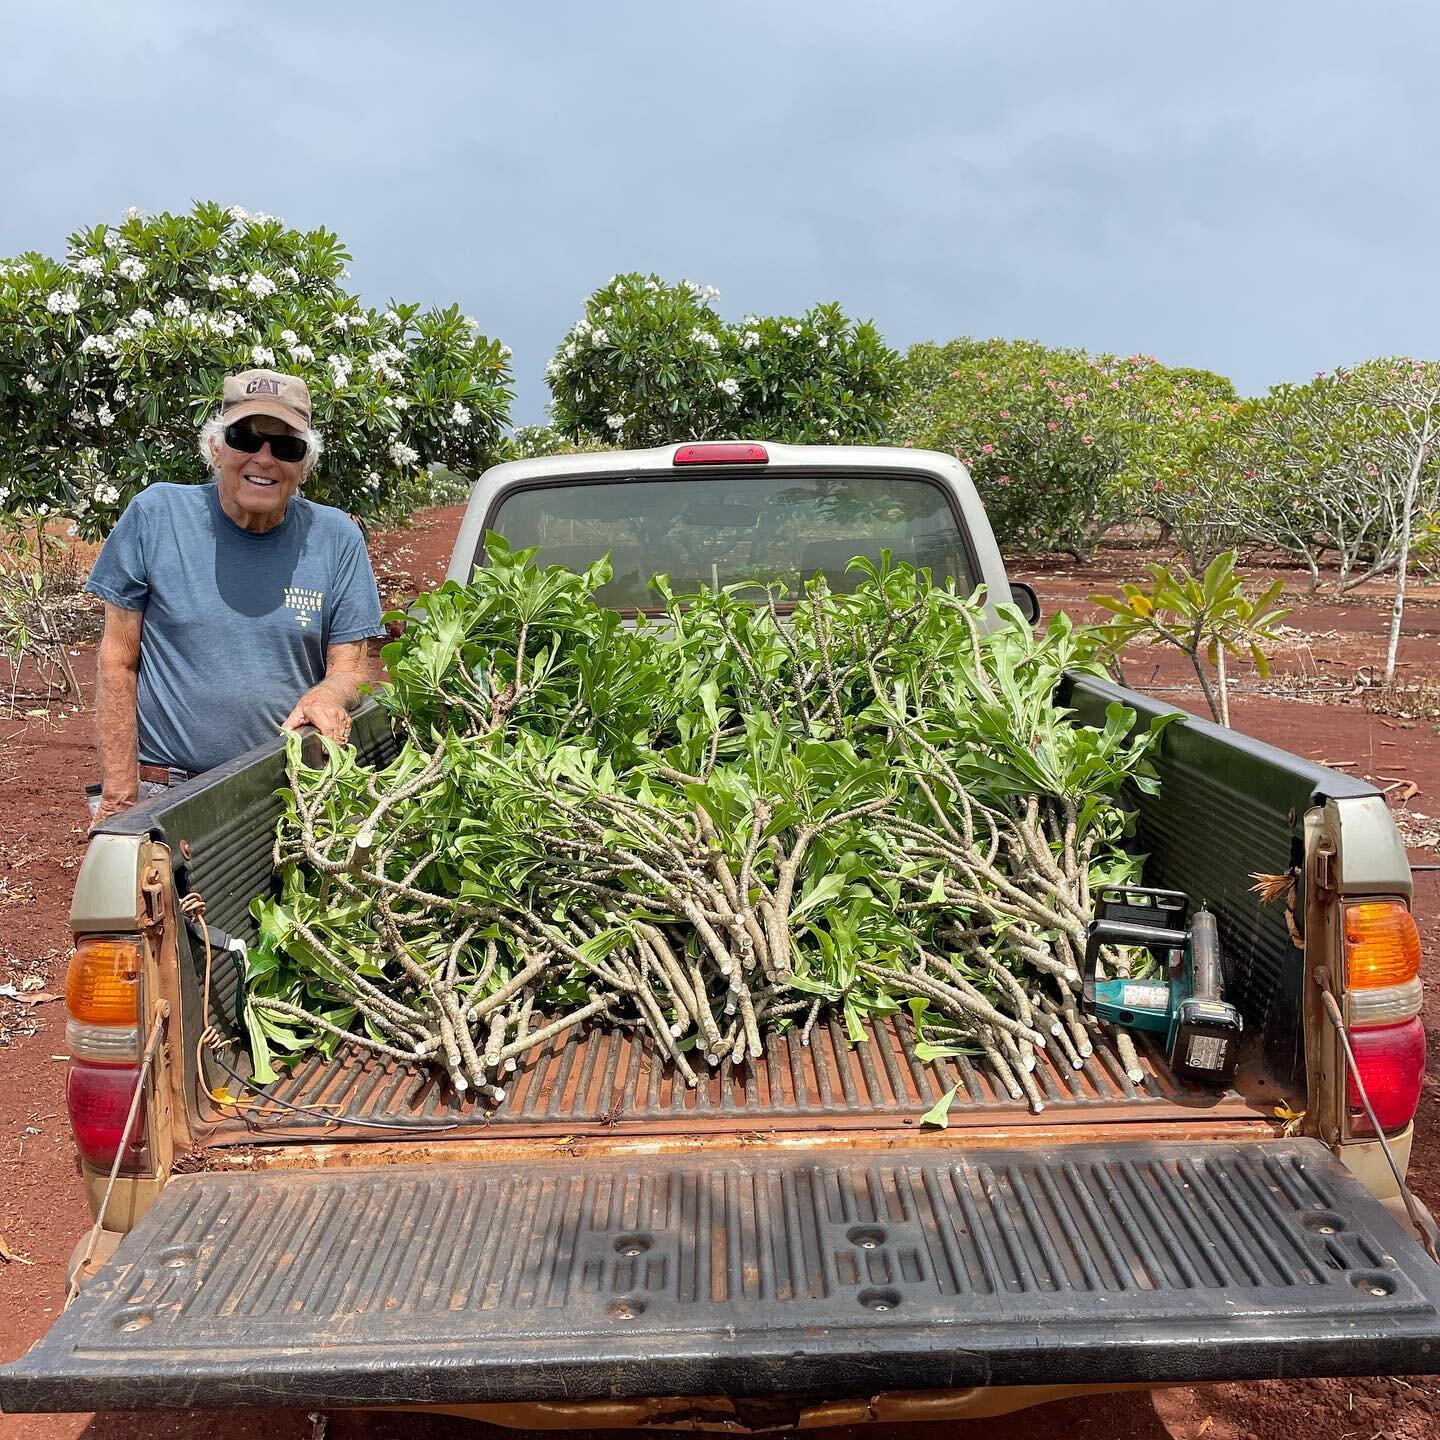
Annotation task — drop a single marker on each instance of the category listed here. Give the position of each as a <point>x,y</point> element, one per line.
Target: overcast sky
<point>1247,187</point>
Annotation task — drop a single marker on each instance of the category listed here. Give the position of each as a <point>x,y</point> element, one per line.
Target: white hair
<point>213,430</point>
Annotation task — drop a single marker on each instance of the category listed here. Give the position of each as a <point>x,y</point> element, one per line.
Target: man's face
<point>257,486</point>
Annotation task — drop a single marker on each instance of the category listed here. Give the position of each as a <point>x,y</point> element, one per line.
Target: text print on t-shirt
<point>305,603</point>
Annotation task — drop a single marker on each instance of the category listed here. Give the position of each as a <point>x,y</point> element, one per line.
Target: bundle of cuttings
<point>704,827</point>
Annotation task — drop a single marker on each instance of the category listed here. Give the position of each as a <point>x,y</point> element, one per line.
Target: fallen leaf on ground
<point>7,1254</point>
<point>35,997</point>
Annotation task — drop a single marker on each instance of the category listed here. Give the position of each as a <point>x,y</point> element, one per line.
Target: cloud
<point>1242,189</point>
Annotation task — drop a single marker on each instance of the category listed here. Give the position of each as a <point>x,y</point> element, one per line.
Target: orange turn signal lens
<point>1382,945</point>
<point>102,986</point>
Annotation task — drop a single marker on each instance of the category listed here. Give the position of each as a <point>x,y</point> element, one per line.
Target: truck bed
<point>608,1080</point>
<point>1215,786</point>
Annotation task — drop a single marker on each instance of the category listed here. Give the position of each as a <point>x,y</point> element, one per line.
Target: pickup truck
<point>785,1244</point>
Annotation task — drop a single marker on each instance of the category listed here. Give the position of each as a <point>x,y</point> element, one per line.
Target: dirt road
<point>44,759</point>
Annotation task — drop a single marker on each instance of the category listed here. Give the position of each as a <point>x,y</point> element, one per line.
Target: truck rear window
<point>716,530</point>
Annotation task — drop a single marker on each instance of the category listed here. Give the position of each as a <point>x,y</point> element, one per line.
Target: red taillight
<point>1391,1061</point>
<point>98,1098</point>
<point>729,452</point>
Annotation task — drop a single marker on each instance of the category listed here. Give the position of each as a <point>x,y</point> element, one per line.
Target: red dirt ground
<point>45,759</point>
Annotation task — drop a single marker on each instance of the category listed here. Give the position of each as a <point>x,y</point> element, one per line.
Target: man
<point>231,609</point>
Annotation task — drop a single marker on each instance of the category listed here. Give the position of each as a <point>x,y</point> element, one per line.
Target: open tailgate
<point>833,1271</point>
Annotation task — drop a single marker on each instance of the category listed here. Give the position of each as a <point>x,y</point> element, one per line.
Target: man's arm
<point>327,706</point>
<point>115,722</point>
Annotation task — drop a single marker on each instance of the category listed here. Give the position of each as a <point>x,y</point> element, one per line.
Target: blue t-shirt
<point>236,623</point>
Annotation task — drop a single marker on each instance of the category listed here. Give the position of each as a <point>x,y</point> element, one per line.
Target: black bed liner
<point>749,1273</point>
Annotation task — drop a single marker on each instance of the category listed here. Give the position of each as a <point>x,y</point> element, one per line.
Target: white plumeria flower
<point>104,414</point>
<point>238,212</point>
<point>470,321</point>
<point>261,355</point>
<point>460,414</point>
<point>113,240</point>
<point>402,454</point>
<point>34,386</point>
<point>4,493</point>
<point>177,307</point>
<point>398,402</point>
<point>123,333</point>
<point>62,302</point>
<point>506,352</point>
<point>108,296</point>
<point>142,318</point>
<point>260,285</point>
<point>552,367</point>
<point>303,353</point>
<point>97,344</point>
<point>132,268</point>
<point>120,393</point>
<point>615,422</point>
<point>599,336</point>
<point>391,318</point>
<point>729,385</point>
<point>42,510</point>
<point>133,212</point>
<point>90,265</point>
<point>289,338</point>
<point>291,275</point>
<point>219,282</point>
<point>822,340</point>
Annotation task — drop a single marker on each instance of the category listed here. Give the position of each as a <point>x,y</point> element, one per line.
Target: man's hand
<point>112,804</point>
<point>322,710</point>
<point>327,706</point>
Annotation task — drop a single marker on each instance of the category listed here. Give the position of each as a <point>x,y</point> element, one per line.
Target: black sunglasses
<point>246,438</point>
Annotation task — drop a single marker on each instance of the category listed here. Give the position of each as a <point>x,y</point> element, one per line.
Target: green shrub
<point>111,358</point>
<point>1061,444</point>
<point>649,363</point>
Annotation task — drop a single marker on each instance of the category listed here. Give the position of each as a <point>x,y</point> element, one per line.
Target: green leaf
<point>939,1112</point>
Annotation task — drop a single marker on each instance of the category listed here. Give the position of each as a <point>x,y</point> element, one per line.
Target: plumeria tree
<point>650,362</point>
<point>1341,471</point>
<point>111,357</point>
<point>1062,444</point>
<point>1405,395</point>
